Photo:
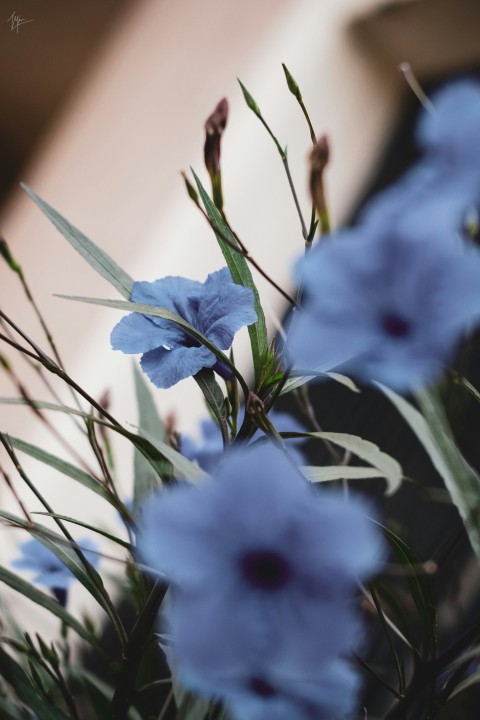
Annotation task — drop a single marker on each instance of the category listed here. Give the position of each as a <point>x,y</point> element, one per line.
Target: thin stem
<point>242,250</point>
<point>295,198</point>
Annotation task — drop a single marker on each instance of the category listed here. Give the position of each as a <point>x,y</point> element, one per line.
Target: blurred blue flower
<point>385,307</point>
<point>209,452</point>
<point>50,570</point>
<point>218,308</point>
<point>439,192</point>
<point>264,572</point>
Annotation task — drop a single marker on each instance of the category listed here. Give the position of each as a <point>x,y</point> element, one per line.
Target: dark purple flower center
<point>395,325</point>
<point>260,686</point>
<point>265,569</point>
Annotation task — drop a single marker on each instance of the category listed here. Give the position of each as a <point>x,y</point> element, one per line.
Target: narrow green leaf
<point>339,472</point>
<point>389,468</point>
<point>100,694</point>
<point>420,586</point>
<point>93,528</point>
<point>295,382</point>
<point>144,441</point>
<point>241,274</point>
<point>9,711</point>
<point>145,478</point>
<point>433,432</point>
<point>167,315</point>
<point>96,258</point>
<point>184,467</point>
<point>40,598</point>
<point>60,547</point>
<point>473,679</point>
<point>16,676</point>
<point>214,397</point>
<point>63,467</point>
<point>41,405</point>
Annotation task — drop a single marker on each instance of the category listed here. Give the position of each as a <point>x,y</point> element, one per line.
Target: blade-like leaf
<point>62,466</point>
<point>295,382</point>
<point>42,405</point>
<point>145,478</point>
<point>339,472</point>
<point>389,468</point>
<point>101,694</point>
<point>420,586</point>
<point>40,598</point>
<point>93,528</point>
<point>241,274</point>
<point>213,395</point>
<point>184,467</point>
<point>96,258</point>
<point>167,315</point>
<point>433,432</point>
<point>59,547</point>
<point>16,676</point>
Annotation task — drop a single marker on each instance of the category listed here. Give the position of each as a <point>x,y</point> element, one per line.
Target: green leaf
<point>42,405</point>
<point>433,431</point>
<point>295,382</point>
<point>93,528</point>
<point>40,598</point>
<point>65,553</point>
<point>420,586</point>
<point>9,711</point>
<point>214,397</point>
<point>241,274</point>
<point>145,478</point>
<point>64,467</point>
<point>339,472</point>
<point>389,468</point>
<point>100,694</point>
<point>96,258</point>
<point>16,676</point>
<point>473,679</point>
<point>184,467</point>
<point>145,442</point>
<point>167,315</point>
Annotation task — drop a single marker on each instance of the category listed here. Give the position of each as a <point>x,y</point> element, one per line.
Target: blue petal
<point>225,308</point>
<point>137,333</point>
<point>178,294</point>
<point>167,367</point>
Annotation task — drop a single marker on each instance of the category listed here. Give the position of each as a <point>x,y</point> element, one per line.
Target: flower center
<point>395,325</point>
<point>260,686</point>
<point>265,569</point>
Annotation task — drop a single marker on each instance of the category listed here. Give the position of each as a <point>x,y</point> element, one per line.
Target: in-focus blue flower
<point>218,308</point>
<point>443,187</point>
<point>209,452</point>
<point>386,307</point>
<point>263,573</point>
<point>49,570</point>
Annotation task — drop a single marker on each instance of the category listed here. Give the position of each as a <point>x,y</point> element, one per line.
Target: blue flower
<point>209,452</point>
<point>264,573</point>
<point>386,307</point>
<point>50,570</point>
<point>218,308</point>
<point>438,193</point>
